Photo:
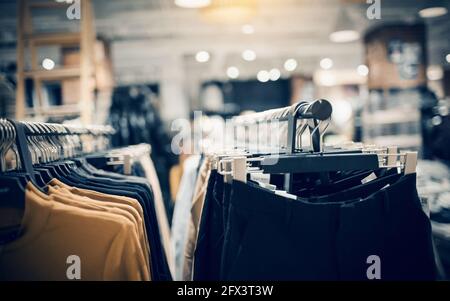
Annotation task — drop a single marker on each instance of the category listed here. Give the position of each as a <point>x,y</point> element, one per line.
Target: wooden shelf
<point>84,71</point>
<point>54,38</point>
<point>55,110</point>
<point>402,141</point>
<point>54,74</point>
<point>392,116</point>
<point>48,4</point>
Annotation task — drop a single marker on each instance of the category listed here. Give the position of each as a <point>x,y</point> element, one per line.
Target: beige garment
<point>101,196</point>
<point>64,196</point>
<point>105,243</point>
<point>175,174</point>
<point>194,223</point>
<point>109,198</point>
<point>163,223</point>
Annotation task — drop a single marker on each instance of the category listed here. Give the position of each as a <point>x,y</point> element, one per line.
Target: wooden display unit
<point>82,73</point>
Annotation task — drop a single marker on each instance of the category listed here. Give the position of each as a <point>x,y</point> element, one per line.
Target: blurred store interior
<point>388,78</point>
<point>139,65</point>
<point>386,68</point>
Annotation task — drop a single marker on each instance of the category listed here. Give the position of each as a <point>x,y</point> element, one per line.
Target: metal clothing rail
<point>37,142</point>
<point>312,115</point>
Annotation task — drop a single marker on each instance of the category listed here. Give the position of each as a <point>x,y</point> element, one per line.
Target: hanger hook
<point>322,133</point>
<point>312,134</point>
<point>300,132</point>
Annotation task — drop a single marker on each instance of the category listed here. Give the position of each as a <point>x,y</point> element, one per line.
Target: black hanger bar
<point>30,129</point>
<point>315,111</point>
<point>22,147</point>
<point>320,163</point>
<point>320,109</point>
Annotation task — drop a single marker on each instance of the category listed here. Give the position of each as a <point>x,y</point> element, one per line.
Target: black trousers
<point>208,252</point>
<point>269,237</point>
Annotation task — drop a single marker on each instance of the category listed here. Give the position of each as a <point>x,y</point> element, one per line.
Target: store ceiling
<point>146,34</point>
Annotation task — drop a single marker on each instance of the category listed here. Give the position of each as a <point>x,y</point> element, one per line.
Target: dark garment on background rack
<point>136,120</point>
<point>270,237</point>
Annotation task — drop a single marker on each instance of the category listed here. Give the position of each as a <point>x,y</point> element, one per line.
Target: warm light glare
<point>327,79</point>
<point>249,55</point>
<point>342,112</point>
<point>233,72</point>
<point>229,12</point>
<point>48,64</point>
<point>344,36</point>
<point>274,74</point>
<point>290,65</point>
<point>435,73</point>
<point>263,76</point>
<point>432,12</point>
<point>192,3</point>
<point>326,63</point>
<point>363,70</point>
<point>248,29</point>
<point>202,56</point>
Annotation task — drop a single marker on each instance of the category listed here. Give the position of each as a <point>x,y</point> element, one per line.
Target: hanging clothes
<point>311,213</point>
<point>200,191</point>
<point>113,224</point>
<point>182,212</point>
<point>152,177</point>
<point>106,242</point>
<point>135,117</point>
<point>141,190</point>
<point>266,236</point>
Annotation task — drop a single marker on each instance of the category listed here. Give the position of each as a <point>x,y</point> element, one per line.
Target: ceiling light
<point>344,36</point>
<point>192,3</point>
<point>326,63</point>
<point>233,72</point>
<point>327,79</point>
<point>48,64</point>
<point>432,10</point>
<point>263,76</point>
<point>249,55</point>
<point>248,29</point>
<point>230,11</point>
<point>274,74</point>
<point>342,112</point>
<point>345,30</point>
<point>202,56</point>
<point>363,70</point>
<point>290,65</point>
<point>435,73</point>
<point>447,58</point>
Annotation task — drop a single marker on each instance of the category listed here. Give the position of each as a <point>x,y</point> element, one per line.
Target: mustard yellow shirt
<point>105,243</point>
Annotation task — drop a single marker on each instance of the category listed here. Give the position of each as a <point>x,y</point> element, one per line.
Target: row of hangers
<point>48,142</point>
<point>252,157</point>
<point>38,152</point>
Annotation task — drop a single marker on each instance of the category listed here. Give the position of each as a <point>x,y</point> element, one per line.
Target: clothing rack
<point>58,163</point>
<point>312,115</point>
<point>328,198</point>
<point>61,141</point>
<point>294,158</point>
